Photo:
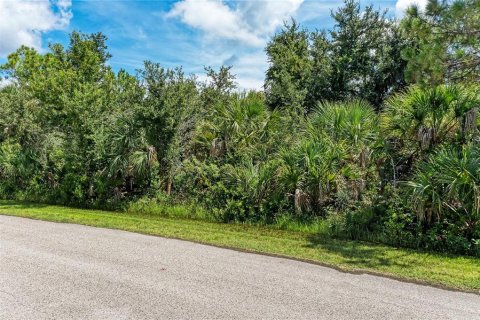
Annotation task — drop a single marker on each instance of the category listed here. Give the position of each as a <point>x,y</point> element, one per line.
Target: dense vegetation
<point>371,128</point>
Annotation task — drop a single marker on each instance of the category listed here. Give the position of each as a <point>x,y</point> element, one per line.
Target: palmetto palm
<point>338,141</point>
<point>236,129</point>
<point>353,125</point>
<point>421,119</point>
<point>449,183</point>
<point>132,156</point>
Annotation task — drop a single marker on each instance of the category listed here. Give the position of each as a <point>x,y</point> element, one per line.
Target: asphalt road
<point>63,271</point>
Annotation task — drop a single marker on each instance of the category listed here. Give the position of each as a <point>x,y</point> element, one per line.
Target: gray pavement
<point>63,271</point>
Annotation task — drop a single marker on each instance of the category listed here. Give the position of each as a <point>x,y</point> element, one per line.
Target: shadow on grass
<point>358,254</point>
<point>5,204</point>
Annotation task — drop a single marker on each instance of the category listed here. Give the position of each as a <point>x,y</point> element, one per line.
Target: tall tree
<point>444,42</point>
<point>290,67</point>
<point>364,51</point>
<point>359,58</point>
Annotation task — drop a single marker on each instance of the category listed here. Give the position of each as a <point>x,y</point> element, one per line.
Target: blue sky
<point>188,33</point>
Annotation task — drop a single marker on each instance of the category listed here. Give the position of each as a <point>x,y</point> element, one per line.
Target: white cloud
<point>22,22</point>
<point>238,32</point>
<point>263,17</point>
<point>248,22</point>
<point>403,5</point>
<point>215,18</point>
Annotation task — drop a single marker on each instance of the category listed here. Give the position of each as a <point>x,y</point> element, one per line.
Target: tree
<point>359,58</point>
<point>290,66</point>
<point>364,48</point>
<point>65,92</point>
<point>444,42</point>
<point>141,141</point>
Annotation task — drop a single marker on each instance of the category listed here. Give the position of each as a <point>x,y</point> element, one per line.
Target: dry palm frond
<point>302,201</point>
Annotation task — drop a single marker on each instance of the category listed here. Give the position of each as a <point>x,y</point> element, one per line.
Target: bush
<point>242,193</point>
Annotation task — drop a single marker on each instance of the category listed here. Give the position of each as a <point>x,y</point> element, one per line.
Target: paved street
<point>64,271</point>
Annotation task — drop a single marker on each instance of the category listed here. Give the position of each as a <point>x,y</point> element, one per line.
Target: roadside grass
<point>449,271</point>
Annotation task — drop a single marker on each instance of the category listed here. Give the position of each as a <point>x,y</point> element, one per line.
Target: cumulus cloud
<point>248,22</point>
<point>215,18</point>
<point>263,17</point>
<point>403,5</point>
<point>238,32</point>
<point>22,22</point>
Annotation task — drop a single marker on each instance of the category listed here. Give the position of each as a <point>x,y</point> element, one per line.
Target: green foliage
<point>332,164</point>
<point>418,121</point>
<point>358,59</point>
<point>336,144</point>
<point>229,169</point>
<point>448,186</point>
<point>443,42</point>
<point>290,67</point>
<point>162,205</point>
<point>364,51</point>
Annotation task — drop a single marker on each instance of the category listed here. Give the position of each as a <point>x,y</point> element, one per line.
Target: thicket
<point>371,128</point>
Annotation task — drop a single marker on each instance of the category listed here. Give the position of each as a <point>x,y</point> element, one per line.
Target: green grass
<point>448,271</point>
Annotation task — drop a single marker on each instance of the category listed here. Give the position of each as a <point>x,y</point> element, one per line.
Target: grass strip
<point>448,271</point>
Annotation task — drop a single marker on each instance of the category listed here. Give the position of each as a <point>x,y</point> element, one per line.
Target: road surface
<point>65,271</point>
